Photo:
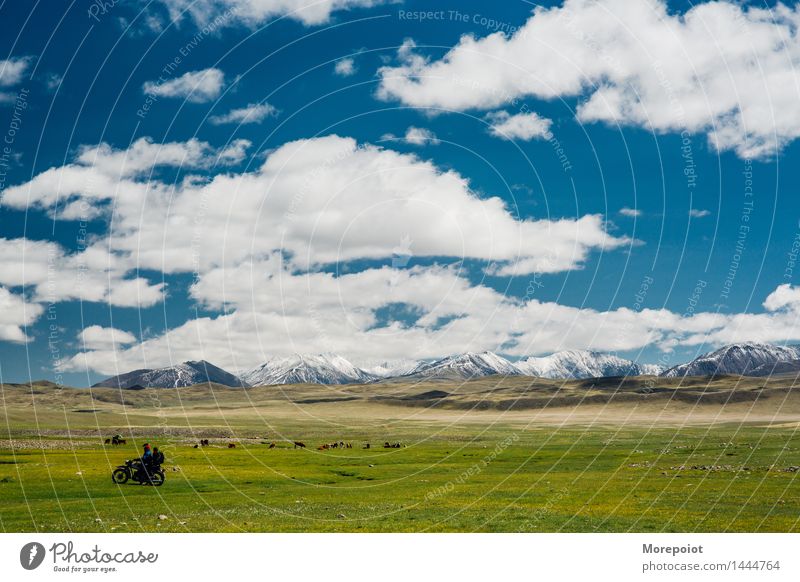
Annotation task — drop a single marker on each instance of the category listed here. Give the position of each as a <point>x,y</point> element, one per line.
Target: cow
<point>204,442</point>
<point>196,446</point>
<point>272,445</point>
<point>231,445</point>
<point>366,446</point>
<point>107,441</point>
<point>299,445</point>
<point>323,448</point>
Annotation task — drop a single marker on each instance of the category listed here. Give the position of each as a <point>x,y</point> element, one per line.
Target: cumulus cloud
<point>420,136</point>
<point>252,113</point>
<point>319,201</point>
<point>15,314</point>
<point>101,173</point>
<point>272,311</point>
<point>696,213</point>
<point>194,86</point>
<point>96,337</point>
<point>524,126</point>
<point>722,69</point>
<point>345,67</point>
<point>631,212</point>
<point>254,12</point>
<point>13,70</point>
<point>94,274</point>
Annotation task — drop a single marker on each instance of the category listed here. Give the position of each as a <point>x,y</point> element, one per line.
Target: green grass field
<point>459,473</point>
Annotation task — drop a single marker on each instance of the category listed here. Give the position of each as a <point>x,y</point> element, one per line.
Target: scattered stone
<point>341,516</point>
<point>79,473</point>
<point>162,517</point>
<point>371,465</point>
<point>97,519</point>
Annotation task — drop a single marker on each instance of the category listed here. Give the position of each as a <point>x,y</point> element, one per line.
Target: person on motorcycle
<point>146,461</point>
<point>158,457</point>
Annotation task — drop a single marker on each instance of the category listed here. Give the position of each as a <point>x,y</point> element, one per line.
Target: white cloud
<point>722,69</point>
<point>96,337</point>
<point>319,201</point>
<point>631,212</point>
<point>94,274</point>
<point>345,67</point>
<point>194,86</point>
<point>254,12</point>
<point>13,70</point>
<point>53,81</point>
<point>15,314</point>
<point>524,126</point>
<point>272,311</point>
<point>101,173</point>
<point>695,213</point>
<point>785,296</point>
<point>252,113</point>
<point>420,136</point>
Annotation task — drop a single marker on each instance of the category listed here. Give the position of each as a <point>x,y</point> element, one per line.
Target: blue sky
<point>648,177</point>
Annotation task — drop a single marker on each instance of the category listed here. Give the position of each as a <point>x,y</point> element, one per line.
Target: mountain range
<point>178,376</point>
<point>747,359</point>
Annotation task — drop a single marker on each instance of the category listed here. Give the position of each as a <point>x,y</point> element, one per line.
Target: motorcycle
<point>134,469</point>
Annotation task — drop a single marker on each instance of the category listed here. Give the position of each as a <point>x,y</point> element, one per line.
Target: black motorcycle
<point>135,470</point>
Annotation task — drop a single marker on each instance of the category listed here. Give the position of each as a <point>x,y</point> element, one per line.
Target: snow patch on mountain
<point>576,364</point>
<point>391,368</point>
<point>468,365</point>
<point>307,369</point>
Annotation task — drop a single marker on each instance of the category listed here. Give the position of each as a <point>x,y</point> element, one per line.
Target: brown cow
<point>272,445</point>
<point>231,445</point>
<point>322,448</point>
<point>299,445</point>
<point>108,441</point>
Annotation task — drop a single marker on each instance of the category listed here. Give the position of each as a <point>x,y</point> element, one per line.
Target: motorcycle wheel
<point>157,479</point>
<point>120,476</point>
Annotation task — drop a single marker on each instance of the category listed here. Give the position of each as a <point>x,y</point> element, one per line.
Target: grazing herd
<point>339,445</point>
<point>115,440</point>
<point>118,440</point>
<point>322,447</point>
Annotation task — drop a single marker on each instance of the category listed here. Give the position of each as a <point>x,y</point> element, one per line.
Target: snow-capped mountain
<point>469,365</point>
<point>651,369</point>
<point>306,369</point>
<point>576,364</point>
<point>747,359</point>
<point>185,374</point>
<point>744,359</point>
<point>391,368</point>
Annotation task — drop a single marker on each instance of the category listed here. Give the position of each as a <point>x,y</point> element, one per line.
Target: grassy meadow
<point>650,466</point>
